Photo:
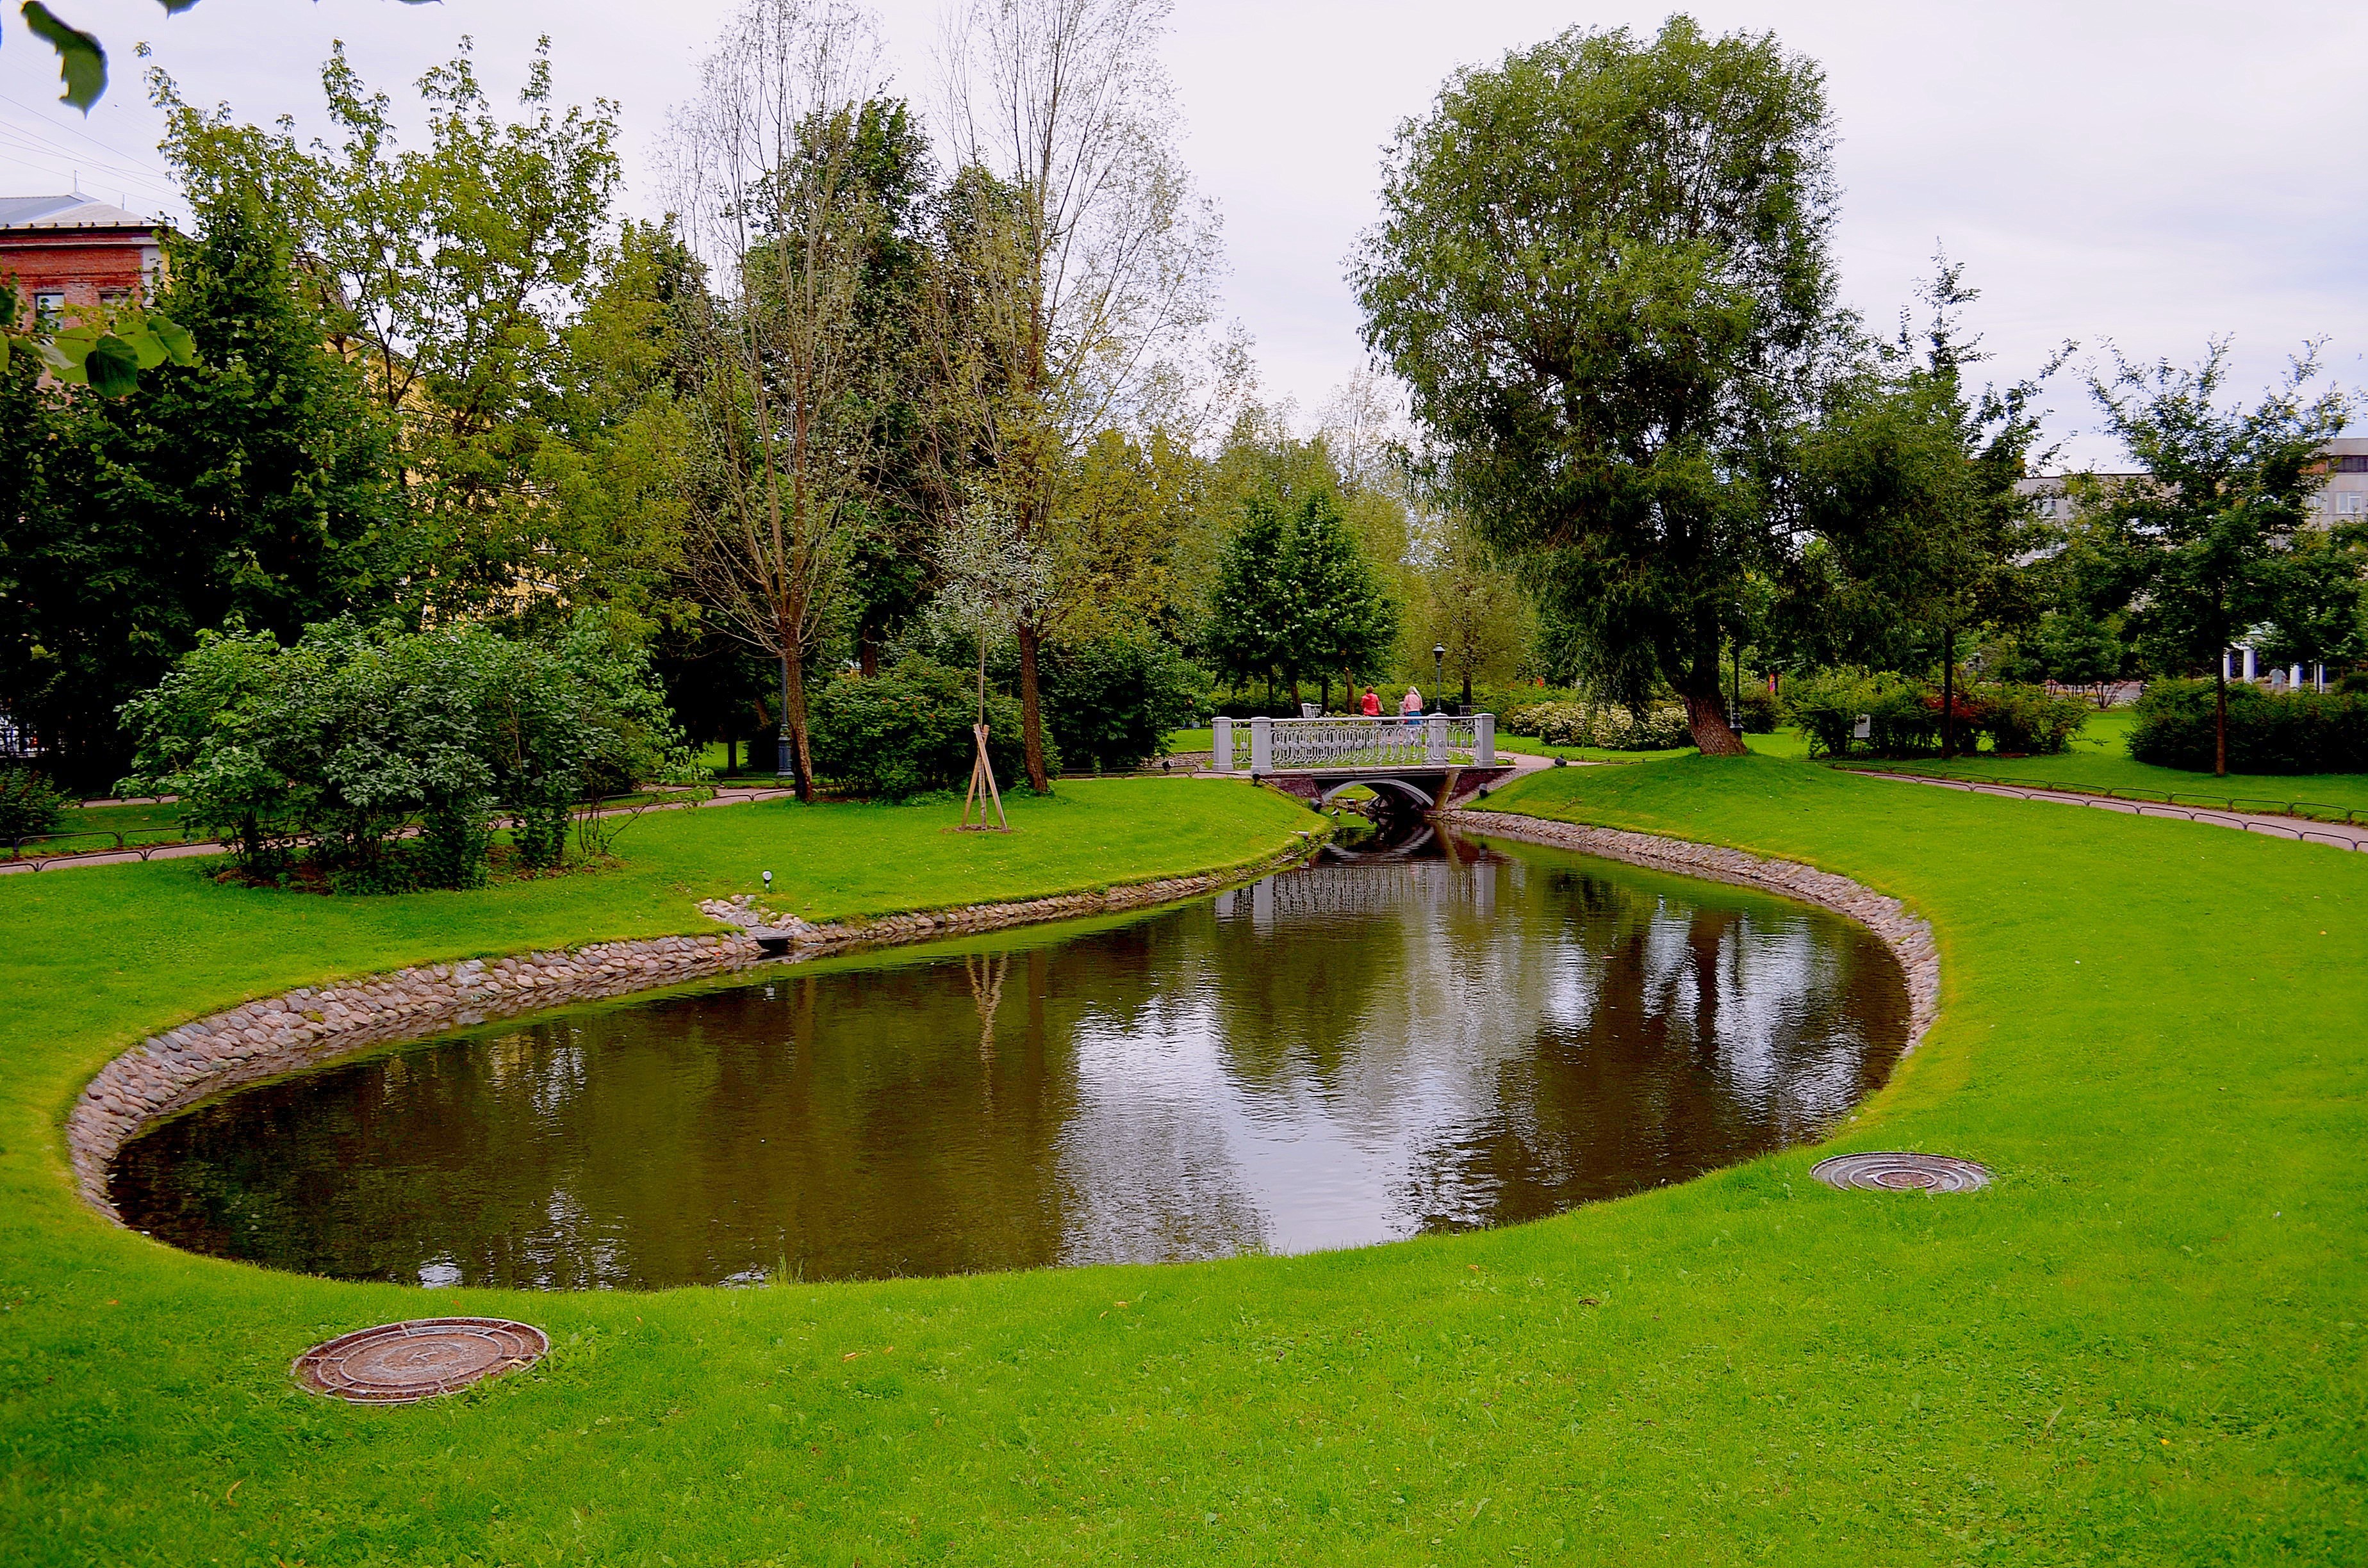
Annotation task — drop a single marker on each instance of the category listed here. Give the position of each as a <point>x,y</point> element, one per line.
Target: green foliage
<point>257,482</point>
<point>1109,702</point>
<point>1602,268</point>
<point>1610,727</point>
<point>907,731</point>
<point>27,804</point>
<point>1762,711</point>
<point>1296,597</point>
<point>82,62</point>
<point>354,734</point>
<point>1905,714</point>
<point>2300,732</point>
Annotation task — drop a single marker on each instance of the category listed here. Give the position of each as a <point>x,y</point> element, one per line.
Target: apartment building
<point>2342,498</point>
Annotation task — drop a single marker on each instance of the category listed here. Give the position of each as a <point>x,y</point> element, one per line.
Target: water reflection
<point>1377,1046</point>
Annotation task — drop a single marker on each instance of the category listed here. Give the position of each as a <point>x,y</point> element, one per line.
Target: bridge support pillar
<point>1220,747</point>
<point>1483,740</point>
<point>1262,746</point>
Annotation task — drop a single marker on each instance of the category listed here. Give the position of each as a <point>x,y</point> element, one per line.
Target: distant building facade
<point>2342,498</point>
<point>61,251</point>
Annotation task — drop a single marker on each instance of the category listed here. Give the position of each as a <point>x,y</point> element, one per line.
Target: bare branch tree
<point>1079,267</point>
<point>768,186</point>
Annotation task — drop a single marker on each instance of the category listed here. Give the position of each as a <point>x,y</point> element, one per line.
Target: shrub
<point>27,805</point>
<point>1826,706</point>
<point>2030,719</point>
<point>354,736</point>
<point>907,730</point>
<point>2297,732</point>
<point>1608,728</point>
<point>1760,711</point>
<point>1110,702</point>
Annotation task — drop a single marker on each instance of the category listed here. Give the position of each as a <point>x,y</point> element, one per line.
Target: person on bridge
<point>1411,709</point>
<point>1373,703</point>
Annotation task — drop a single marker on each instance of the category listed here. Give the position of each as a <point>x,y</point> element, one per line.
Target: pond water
<point>1430,1038</point>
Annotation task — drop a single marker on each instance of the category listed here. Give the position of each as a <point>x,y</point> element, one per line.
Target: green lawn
<point>2099,759</point>
<point>2144,1345</point>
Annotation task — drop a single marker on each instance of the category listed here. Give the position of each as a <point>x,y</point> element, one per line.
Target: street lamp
<point>1438,673</point>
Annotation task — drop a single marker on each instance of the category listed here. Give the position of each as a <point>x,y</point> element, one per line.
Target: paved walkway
<point>2340,835</point>
<point>730,795</point>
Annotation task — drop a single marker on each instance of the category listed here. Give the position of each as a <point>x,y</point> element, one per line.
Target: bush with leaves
<point>2302,731</point>
<point>29,807</point>
<point>1828,704</point>
<point>1111,701</point>
<point>905,732</point>
<point>388,752</point>
<point>1610,728</point>
<point>2029,719</point>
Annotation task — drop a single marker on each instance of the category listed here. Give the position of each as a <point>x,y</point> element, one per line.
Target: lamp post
<point>1437,672</point>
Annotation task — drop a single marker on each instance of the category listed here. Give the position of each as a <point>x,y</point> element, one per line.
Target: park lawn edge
<point>1842,1377</point>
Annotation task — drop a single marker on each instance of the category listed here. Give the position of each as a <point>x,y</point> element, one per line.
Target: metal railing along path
<point>2332,834</point>
<point>2251,805</point>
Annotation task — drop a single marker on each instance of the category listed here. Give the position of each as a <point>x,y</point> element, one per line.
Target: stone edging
<point>305,1027</point>
<point>1908,935</point>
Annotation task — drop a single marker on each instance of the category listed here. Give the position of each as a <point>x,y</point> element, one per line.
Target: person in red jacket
<point>1373,703</point>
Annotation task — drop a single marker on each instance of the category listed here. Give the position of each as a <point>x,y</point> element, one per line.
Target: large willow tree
<point>1602,268</point>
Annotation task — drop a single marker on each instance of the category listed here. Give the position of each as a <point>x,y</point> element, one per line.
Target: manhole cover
<point>398,1362</point>
<point>1900,1172</point>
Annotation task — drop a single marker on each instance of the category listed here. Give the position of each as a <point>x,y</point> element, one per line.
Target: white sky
<point>2152,173</point>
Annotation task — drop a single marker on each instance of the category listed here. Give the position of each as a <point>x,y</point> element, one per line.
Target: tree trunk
<point>793,706</point>
<point>868,657</point>
<point>1948,693</point>
<point>2220,718</point>
<point>1467,691</point>
<point>1712,737</point>
<point>1032,713</point>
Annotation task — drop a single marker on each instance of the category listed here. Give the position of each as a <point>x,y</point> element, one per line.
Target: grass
<point>2144,1345</point>
<point>2099,759</point>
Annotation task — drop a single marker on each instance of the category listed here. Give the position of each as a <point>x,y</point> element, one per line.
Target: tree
<point>786,388</point>
<point>1296,597</point>
<point>2320,591</point>
<point>2225,492</point>
<point>452,273</point>
<point>1912,480</point>
<point>1470,607</point>
<point>1252,613</point>
<point>1080,266</point>
<point>1602,268</point>
<point>258,484</point>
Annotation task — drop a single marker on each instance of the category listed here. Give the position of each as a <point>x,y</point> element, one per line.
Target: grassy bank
<point>2099,759</point>
<point>2144,1345</point>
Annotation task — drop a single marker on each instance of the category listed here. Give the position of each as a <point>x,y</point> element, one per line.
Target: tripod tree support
<point>983,791</point>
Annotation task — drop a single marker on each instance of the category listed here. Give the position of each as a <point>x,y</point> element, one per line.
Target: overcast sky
<point>2151,174</point>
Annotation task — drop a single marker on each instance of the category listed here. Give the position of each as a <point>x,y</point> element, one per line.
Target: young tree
<point>1345,621</point>
<point>2225,489</point>
<point>1080,266</point>
<point>1602,268</point>
<point>1253,611</point>
<point>2320,591</point>
<point>785,388</point>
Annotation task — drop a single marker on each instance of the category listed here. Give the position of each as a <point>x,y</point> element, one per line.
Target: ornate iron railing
<point>1270,745</point>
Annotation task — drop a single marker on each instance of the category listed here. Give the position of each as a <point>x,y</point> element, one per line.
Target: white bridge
<point>1433,760</point>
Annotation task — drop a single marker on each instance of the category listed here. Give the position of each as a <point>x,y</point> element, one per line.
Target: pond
<point>1428,1038</point>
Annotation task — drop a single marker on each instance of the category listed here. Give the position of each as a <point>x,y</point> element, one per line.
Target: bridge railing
<point>1289,746</point>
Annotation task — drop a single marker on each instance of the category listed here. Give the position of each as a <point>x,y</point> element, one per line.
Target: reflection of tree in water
<point>1335,1055</point>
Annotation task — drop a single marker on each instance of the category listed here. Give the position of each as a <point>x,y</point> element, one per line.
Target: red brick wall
<point>81,265</point>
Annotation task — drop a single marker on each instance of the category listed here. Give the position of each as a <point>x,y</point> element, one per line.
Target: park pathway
<point>2340,835</point>
<point>733,795</point>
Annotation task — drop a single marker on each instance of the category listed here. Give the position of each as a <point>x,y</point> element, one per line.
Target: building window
<point>2351,503</point>
<point>48,308</point>
<point>115,299</point>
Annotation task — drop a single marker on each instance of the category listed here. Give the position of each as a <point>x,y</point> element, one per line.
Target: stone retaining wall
<point>304,1028</point>
<point>1906,934</point>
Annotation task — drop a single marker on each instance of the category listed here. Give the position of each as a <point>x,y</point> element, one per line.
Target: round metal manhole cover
<point>1892,1172</point>
<point>398,1362</point>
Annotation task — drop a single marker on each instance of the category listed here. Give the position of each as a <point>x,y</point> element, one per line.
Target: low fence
<point>1286,746</point>
<point>2353,817</point>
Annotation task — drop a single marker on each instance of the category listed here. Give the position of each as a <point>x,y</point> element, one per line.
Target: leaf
<point>145,344</point>
<point>178,344</point>
<point>82,63</point>
<point>113,366</point>
<point>4,353</point>
<point>175,7</point>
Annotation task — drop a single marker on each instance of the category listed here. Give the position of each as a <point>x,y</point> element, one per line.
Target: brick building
<point>76,250</point>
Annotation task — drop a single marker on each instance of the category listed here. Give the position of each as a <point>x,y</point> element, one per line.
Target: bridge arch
<point>1420,797</point>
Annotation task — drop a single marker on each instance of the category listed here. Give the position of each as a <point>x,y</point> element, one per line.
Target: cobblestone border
<point>1908,935</point>
<point>305,1027</point>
